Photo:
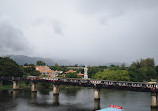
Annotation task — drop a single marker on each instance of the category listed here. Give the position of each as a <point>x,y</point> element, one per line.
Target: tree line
<point>138,71</point>
<point>143,70</point>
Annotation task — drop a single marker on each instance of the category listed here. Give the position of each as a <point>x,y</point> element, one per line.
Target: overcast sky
<point>84,31</point>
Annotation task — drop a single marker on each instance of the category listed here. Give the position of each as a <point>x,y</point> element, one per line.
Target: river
<point>72,99</point>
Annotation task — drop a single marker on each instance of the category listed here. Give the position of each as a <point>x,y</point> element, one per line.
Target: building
<point>80,75</point>
<point>44,70</point>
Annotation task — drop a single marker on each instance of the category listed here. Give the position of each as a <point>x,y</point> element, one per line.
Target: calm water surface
<point>72,99</point>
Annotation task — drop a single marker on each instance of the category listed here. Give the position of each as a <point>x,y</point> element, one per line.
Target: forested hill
<point>21,60</point>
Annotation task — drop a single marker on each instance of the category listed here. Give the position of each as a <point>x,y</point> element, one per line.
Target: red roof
<point>70,71</point>
<point>80,74</point>
<point>43,69</point>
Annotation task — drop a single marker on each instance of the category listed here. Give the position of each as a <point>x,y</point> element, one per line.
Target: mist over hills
<point>22,59</point>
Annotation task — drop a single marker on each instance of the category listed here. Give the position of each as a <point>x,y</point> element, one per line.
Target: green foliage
<point>149,62</point>
<point>59,68</point>
<point>8,67</point>
<point>30,70</point>
<point>44,75</point>
<point>26,64</point>
<point>40,63</point>
<point>116,75</point>
<point>123,67</point>
<point>133,76</point>
<point>71,75</point>
<point>143,70</point>
<point>92,70</point>
<point>151,73</point>
<point>156,69</point>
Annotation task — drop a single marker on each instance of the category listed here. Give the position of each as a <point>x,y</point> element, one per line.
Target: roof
<point>70,71</point>
<point>56,71</point>
<point>43,69</point>
<point>80,74</point>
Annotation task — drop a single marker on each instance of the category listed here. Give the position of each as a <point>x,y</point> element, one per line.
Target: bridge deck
<point>122,85</point>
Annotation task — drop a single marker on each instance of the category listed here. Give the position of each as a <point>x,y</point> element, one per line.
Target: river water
<point>72,99</point>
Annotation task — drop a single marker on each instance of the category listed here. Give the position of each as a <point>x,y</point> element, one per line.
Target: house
<point>44,70</point>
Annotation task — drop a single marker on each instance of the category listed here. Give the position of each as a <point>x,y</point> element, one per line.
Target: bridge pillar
<point>15,85</point>
<point>153,99</point>
<point>97,94</point>
<point>33,87</point>
<point>55,90</point>
<point>1,83</point>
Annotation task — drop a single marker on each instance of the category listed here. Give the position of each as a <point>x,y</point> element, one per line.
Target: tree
<point>92,70</point>
<point>135,64</point>
<point>156,69</point>
<point>133,76</point>
<point>71,75</point>
<point>151,73</point>
<point>40,63</point>
<point>149,62</point>
<point>123,67</point>
<point>116,75</point>
<point>8,67</point>
<point>57,67</point>
<point>30,70</point>
<point>25,64</point>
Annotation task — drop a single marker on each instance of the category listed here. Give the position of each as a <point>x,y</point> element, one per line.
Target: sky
<point>80,31</point>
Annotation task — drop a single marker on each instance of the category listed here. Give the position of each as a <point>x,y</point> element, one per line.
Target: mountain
<point>21,60</point>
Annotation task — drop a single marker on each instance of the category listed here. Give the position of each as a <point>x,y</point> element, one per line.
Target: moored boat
<point>112,108</point>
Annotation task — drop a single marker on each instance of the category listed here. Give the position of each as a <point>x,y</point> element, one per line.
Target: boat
<point>112,108</point>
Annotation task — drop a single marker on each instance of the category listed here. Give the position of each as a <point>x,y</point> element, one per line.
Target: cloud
<point>11,38</point>
<point>57,28</point>
<point>94,31</point>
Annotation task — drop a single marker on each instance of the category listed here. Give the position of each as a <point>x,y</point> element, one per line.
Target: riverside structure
<point>96,84</point>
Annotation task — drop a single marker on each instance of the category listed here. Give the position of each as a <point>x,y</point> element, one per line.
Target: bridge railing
<point>136,86</point>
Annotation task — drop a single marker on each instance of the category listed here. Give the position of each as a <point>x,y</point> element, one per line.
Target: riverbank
<point>22,85</point>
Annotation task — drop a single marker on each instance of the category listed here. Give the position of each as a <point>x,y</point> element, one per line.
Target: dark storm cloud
<point>11,38</point>
<point>96,31</point>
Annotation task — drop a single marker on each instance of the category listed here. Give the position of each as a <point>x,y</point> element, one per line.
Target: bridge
<point>96,84</point>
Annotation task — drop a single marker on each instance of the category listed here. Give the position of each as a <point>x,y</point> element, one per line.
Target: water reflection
<point>15,94</point>
<point>33,95</point>
<point>96,104</point>
<point>56,100</point>
<point>70,91</point>
<point>6,102</point>
<point>45,91</point>
<point>73,99</point>
<point>154,109</point>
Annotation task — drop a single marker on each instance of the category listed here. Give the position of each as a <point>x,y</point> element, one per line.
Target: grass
<point>23,85</point>
<point>10,86</point>
<point>6,87</point>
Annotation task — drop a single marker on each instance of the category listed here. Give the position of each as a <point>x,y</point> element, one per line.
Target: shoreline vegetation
<point>8,86</point>
<point>138,71</point>
<point>23,85</point>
